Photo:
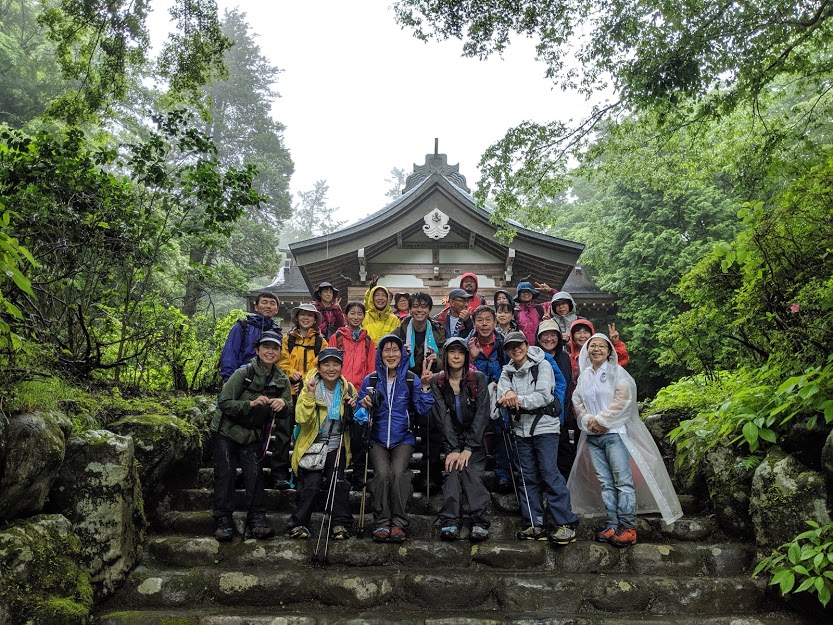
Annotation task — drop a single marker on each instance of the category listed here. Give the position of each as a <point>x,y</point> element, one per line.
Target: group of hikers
<point>531,383</point>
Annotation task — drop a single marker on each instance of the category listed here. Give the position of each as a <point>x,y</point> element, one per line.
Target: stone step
<point>672,560</point>
<point>193,499</point>
<point>504,527</point>
<point>327,616</point>
<point>190,500</point>
<point>458,590</point>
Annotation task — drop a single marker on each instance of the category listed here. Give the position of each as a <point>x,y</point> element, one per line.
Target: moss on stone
<point>159,424</point>
<point>40,580</point>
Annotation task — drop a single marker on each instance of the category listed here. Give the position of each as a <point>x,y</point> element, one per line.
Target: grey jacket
<point>532,395</point>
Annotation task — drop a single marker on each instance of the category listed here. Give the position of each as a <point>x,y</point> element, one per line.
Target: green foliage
<point>693,394</point>
<point>683,65</point>
<point>641,241</point>
<point>29,75</point>
<point>761,405</point>
<point>194,53</point>
<point>103,241</point>
<point>769,293</point>
<point>240,123</point>
<point>12,256</point>
<point>804,564</point>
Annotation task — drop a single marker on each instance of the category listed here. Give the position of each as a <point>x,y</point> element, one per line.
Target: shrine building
<point>425,240</point>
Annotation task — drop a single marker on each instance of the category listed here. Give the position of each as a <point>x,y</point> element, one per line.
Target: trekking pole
<point>328,508</point>
<point>428,464</point>
<point>523,481</point>
<point>511,467</point>
<point>360,531</point>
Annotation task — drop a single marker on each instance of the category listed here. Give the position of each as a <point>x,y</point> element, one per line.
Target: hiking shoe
<point>259,527</point>
<point>478,534</point>
<point>224,531</point>
<point>504,486</point>
<point>397,534</point>
<point>381,534</point>
<point>564,535</point>
<point>605,535</point>
<point>299,531</point>
<point>624,537</point>
<point>450,532</point>
<point>339,532</point>
<point>532,533</point>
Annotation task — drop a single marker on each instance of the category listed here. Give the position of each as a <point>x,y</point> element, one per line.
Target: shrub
<point>807,561</point>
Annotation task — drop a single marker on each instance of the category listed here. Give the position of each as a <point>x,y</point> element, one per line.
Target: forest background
<point>137,192</point>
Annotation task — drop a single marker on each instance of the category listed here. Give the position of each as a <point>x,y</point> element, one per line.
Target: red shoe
<point>605,535</point>
<point>624,537</point>
<point>397,534</point>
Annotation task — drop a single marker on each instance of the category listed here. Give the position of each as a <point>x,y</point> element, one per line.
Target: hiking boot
<point>224,531</point>
<point>300,532</point>
<point>450,532</point>
<point>381,534</point>
<point>397,534</point>
<point>605,535</point>
<point>504,486</point>
<point>564,535</point>
<point>259,527</point>
<point>624,537</point>
<point>339,532</point>
<point>478,534</point>
<point>532,533</point>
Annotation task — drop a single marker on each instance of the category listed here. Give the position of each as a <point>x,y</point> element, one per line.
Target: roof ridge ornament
<point>436,163</point>
<point>436,224</point>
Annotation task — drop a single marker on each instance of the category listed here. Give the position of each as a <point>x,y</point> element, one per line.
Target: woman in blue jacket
<point>388,394</point>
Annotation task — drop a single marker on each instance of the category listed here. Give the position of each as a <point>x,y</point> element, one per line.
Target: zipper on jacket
<point>390,408</point>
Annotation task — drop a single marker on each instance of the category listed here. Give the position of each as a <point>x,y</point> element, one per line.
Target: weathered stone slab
<point>523,555</point>
<point>730,485</point>
<point>35,445</point>
<point>168,452</point>
<point>98,490</point>
<point>40,578</point>
<point>785,494</point>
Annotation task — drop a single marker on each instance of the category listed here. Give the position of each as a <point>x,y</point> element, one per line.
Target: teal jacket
<point>237,419</point>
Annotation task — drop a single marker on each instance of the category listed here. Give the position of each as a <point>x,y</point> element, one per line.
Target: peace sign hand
<point>612,333</point>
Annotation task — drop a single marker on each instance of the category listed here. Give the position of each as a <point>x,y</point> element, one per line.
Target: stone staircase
<point>686,573</point>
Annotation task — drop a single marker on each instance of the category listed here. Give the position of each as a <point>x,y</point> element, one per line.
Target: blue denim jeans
<point>537,458</point>
<point>612,463</point>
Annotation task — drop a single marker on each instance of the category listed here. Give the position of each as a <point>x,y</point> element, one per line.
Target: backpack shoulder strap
<point>471,381</point>
<point>244,326</point>
<point>319,341</point>
<point>540,310</point>
<point>339,340</point>
<point>250,376</point>
<point>533,370</point>
<point>290,342</point>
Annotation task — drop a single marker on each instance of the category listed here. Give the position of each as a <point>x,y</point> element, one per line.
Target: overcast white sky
<point>361,96</point>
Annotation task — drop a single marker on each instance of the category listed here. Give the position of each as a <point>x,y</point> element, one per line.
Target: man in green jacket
<point>254,395</point>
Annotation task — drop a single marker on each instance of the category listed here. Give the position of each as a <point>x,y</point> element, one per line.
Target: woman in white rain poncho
<point>618,469</point>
